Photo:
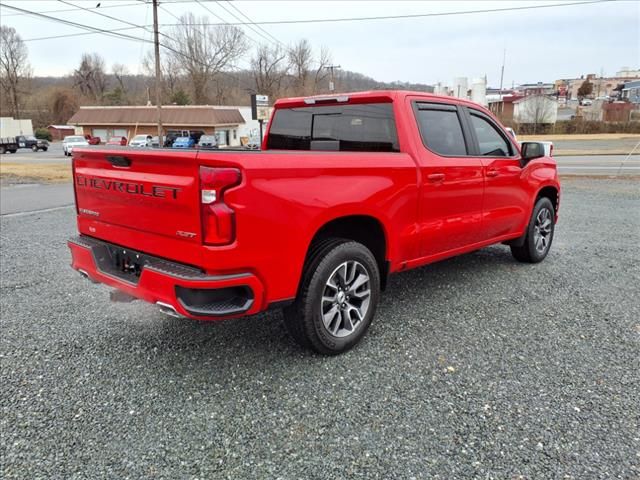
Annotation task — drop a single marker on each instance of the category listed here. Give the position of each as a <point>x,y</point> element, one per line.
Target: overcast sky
<point>541,44</point>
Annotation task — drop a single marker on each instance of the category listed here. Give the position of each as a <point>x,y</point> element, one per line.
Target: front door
<point>452,181</point>
<point>505,200</point>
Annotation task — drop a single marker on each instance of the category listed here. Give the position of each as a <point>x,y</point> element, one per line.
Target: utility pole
<point>331,68</point>
<point>158,72</point>
<point>504,56</point>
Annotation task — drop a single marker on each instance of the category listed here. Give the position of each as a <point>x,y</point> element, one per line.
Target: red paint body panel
<point>285,197</point>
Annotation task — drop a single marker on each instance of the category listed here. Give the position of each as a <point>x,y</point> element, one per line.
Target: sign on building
<point>260,107</point>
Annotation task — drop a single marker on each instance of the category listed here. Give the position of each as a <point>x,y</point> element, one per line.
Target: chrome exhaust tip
<point>86,275</point>
<point>168,310</point>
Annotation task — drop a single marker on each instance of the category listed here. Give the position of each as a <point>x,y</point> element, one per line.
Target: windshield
<point>207,138</point>
<point>74,139</point>
<point>140,137</point>
<point>182,139</point>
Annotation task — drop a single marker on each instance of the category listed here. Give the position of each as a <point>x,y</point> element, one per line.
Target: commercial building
<point>535,109</point>
<point>106,122</point>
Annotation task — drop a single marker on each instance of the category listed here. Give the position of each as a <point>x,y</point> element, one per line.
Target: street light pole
<point>158,71</point>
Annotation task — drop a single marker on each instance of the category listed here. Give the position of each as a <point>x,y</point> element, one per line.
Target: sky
<point>542,44</point>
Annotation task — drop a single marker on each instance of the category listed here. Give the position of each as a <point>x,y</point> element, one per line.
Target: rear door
<point>150,191</point>
<point>452,180</point>
<point>505,201</point>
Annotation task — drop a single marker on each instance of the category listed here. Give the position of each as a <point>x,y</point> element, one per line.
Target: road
<point>475,367</point>
<point>599,165</point>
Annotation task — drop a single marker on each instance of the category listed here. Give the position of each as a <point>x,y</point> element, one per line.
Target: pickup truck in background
<point>346,190</point>
<point>12,144</point>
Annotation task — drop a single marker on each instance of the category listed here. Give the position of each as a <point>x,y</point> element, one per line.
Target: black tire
<point>13,151</point>
<point>529,252</point>
<point>34,148</point>
<point>44,149</point>
<point>304,319</point>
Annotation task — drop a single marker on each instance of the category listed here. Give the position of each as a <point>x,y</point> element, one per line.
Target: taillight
<point>218,219</point>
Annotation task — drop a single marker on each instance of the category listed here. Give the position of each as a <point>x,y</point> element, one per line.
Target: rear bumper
<point>171,285</point>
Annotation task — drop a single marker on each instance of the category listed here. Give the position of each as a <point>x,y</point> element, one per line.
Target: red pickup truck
<point>346,190</point>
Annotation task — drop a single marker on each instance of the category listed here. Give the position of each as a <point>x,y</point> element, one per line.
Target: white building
<point>10,127</point>
<point>536,109</point>
<point>250,130</point>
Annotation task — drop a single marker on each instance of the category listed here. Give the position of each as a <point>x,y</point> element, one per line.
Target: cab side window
<point>441,129</point>
<point>490,141</point>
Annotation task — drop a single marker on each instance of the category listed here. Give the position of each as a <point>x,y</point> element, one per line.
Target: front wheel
<point>539,234</point>
<point>337,299</point>
<point>34,148</point>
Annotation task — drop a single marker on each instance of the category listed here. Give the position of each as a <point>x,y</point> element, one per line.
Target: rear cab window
<point>441,129</point>
<point>366,127</point>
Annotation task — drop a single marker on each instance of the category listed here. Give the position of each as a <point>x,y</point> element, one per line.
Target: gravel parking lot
<point>474,367</point>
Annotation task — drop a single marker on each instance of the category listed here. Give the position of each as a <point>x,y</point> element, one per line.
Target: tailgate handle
<point>119,161</point>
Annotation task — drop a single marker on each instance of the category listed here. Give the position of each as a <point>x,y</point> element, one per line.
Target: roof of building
<point>507,99</point>
<point>62,127</point>
<point>173,115</point>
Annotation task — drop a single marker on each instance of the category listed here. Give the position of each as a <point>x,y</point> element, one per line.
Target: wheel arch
<point>365,229</point>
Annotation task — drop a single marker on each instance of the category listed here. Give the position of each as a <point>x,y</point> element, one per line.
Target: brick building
<point>106,122</point>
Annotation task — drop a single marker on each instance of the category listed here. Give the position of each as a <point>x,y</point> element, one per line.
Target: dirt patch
<point>11,173</point>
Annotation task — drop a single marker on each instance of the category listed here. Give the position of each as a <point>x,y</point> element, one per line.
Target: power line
<point>407,16</point>
<point>145,27</point>
<point>101,14</point>
<point>253,23</point>
<point>222,19</point>
<point>74,9</point>
<point>251,27</point>
<point>111,33</point>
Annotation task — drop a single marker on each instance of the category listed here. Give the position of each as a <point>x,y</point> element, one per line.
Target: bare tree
<point>63,104</point>
<point>537,110</point>
<point>90,77</point>
<point>300,60</point>
<point>119,72</point>
<point>171,75</point>
<point>269,67</point>
<point>309,71</point>
<point>14,68</point>
<point>321,72</point>
<point>204,51</point>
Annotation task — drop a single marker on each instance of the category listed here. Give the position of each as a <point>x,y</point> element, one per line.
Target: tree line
<point>200,64</point>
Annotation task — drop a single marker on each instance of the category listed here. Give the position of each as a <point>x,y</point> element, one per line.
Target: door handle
<point>492,173</point>
<point>435,177</point>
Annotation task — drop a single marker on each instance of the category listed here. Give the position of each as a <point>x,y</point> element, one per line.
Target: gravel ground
<point>476,367</point>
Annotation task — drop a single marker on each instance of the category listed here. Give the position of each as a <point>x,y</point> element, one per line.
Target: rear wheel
<point>338,297</point>
<point>3,149</point>
<point>539,234</point>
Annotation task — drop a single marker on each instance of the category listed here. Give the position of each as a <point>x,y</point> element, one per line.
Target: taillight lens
<point>218,219</point>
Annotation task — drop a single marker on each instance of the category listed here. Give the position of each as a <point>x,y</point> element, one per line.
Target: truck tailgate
<point>154,191</point>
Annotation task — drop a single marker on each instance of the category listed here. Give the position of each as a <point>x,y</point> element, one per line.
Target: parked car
<point>316,221</point>
<point>92,140</point>
<point>8,144</point>
<point>173,134</point>
<point>183,142</point>
<point>71,141</point>
<point>140,141</point>
<point>122,141</point>
<point>207,142</point>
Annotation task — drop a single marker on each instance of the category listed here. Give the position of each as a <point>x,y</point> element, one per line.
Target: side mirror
<point>531,150</point>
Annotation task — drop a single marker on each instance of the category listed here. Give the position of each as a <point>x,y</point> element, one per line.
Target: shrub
<point>43,134</point>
